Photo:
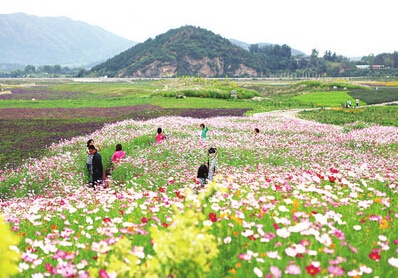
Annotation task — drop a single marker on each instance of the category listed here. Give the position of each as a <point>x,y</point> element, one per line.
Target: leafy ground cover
<point>222,92</point>
<point>301,199</point>
<point>381,95</point>
<point>331,85</point>
<point>329,98</point>
<point>382,115</point>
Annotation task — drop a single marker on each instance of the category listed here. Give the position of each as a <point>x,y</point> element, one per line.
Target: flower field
<point>301,199</point>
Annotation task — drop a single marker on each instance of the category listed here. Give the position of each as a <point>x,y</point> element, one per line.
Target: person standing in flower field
<point>118,155</point>
<point>97,168</point>
<point>357,101</point>
<point>160,136</point>
<point>348,103</point>
<point>206,172</point>
<point>204,131</point>
<point>256,131</point>
<point>90,158</point>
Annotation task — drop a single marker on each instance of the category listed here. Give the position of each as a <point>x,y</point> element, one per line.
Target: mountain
<point>246,46</point>
<point>355,59</point>
<point>27,39</point>
<point>187,50</point>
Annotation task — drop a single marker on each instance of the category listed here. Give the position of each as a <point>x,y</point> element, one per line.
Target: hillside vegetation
<point>187,50</point>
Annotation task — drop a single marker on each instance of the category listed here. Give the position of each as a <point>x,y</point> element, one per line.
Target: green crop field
<point>381,115</point>
<point>328,99</point>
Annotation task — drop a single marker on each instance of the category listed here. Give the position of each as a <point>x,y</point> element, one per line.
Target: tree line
<point>31,71</point>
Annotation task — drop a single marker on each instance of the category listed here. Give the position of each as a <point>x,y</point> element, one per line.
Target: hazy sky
<point>348,27</point>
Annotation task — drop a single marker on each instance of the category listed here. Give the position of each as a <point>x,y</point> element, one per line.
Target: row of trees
<point>44,71</point>
<point>388,60</point>
<point>275,60</point>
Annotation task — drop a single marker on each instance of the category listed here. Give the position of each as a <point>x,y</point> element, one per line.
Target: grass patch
<point>27,138</point>
<point>328,99</point>
<point>109,89</point>
<point>386,116</point>
<point>339,84</point>
<point>385,94</point>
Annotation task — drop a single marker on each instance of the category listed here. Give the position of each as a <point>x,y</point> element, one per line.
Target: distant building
<point>377,66</point>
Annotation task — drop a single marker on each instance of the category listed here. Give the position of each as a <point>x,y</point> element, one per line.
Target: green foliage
<point>327,99</point>
<point>355,125</point>
<point>383,94</point>
<point>174,47</point>
<point>222,92</point>
<point>382,115</point>
<point>316,84</point>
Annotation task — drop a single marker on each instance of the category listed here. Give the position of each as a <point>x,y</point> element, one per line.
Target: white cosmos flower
<point>227,240</point>
<point>291,252</point>
<point>207,223</point>
<point>393,262</point>
<point>357,227</point>
<point>382,238</point>
<point>284,233</point>
<point>258,272</point>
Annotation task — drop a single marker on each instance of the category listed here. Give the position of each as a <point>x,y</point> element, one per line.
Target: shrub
<point>221,92</point>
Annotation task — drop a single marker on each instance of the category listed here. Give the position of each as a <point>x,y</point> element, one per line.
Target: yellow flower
<point>8,257</point>
<point>378,200</point>
<point>296,203</point>
<point>237,220</point>
<point>183,243</point>
<point>384,224</point>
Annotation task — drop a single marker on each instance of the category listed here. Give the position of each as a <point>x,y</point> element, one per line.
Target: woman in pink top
<point>160,136</point>
<point>118,154</point>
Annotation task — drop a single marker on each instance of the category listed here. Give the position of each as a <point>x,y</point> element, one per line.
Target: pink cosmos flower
<point>336,270</point>
<point>293,270</point>
<point>103,274</point>
<point>275,271</point>
<point>353,249</point>
<point>59,255</point>
<point>339,234</point>
<point>49,268</point>
<point>245,257</point>
<point>83,274</point>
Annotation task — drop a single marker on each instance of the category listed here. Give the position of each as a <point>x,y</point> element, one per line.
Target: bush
<point>315,84</point>
<point>221,92</point>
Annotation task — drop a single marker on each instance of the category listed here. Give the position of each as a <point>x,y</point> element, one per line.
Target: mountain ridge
<point>28,39</point>
<point>246,46</point>
<point>187,50</point>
